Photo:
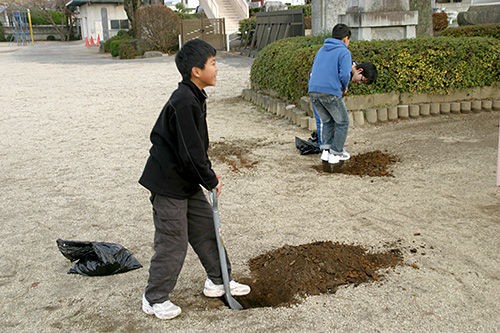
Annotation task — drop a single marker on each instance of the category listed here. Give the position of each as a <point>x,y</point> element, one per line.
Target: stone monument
<point>325,14</point>
<point>380,19</point>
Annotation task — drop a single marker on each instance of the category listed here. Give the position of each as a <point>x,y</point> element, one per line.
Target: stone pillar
<point>424,9</point>
<point>380,19</point>
<point>325,14</point>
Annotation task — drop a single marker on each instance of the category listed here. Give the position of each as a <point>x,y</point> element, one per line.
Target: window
<point>119,24</point>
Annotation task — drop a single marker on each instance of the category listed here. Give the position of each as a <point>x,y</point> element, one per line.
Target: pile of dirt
<point>373,164</point>
<point>287,275</point>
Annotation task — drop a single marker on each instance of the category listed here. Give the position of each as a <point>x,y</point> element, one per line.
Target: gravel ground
<point>74,129</point>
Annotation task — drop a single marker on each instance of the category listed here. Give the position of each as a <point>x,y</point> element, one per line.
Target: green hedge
<point>480,30</point>
<point>421,65</point>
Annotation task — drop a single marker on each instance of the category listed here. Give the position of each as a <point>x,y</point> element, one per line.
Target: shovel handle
<point>233,303</point>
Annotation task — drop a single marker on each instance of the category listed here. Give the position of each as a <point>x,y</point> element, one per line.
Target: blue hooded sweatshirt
<point>331,70</point>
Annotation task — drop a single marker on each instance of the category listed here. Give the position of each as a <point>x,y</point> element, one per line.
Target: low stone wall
<point>380,108</point>
<point>40,32</point>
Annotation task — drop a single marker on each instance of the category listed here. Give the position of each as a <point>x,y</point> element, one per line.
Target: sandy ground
<point>74,128</point>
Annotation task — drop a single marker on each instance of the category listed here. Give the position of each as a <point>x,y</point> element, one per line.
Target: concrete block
<point>305,105</point>
<point>297,114</point>
<point>311,124</point>
<point>414,111</point>
<point>435,109</point>
<point>486,105</point>
<point>392,112</point>
<point>371,116</point>
<point>425,109</point>
<point>281,110</point>
<point>363,102</point>
<point>475,106</point>
<point>304,122</point>
<point>455,107</point>
<point>351,119</point>
<point>465,106</point>
<point>445,108</point>
<point>246,93</point>
<point>403,111</point>
<point>496,105</point>
<point>489,92</point>
<point>382,114</point>
<point>359,117</point>
<point>289,111</point>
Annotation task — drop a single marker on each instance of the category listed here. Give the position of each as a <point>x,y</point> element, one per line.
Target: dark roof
<point>84,2</point>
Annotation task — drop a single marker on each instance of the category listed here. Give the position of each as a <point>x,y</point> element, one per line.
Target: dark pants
<point>177,222</point>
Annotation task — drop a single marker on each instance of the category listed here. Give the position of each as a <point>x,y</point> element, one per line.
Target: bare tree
<point>46,8</point>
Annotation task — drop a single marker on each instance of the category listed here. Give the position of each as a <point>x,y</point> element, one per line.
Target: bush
<point>247,28</point>
<point>2,34</point>
<point>480,30</point>
<point>307,9</point>
<point>439,21</point>
<point>121,35</point>
<point>420,65</point>
<point>51,38</point>
<point>128,49</point>
<point>39,17</point>
<point>157,26</point>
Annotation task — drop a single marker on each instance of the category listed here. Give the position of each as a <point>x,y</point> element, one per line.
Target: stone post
<point>325,14</point>
<point>375,19</point>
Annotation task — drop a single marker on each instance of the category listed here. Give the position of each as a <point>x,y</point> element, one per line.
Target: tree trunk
<point>131,7</point>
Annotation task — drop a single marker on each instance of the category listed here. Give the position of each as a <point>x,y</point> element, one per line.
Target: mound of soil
<point>373,164</point>
<point>287,275</point>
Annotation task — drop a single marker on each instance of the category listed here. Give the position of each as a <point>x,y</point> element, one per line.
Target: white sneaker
<point>165,310</point>
<point>333,159</point>
<point>324,155</point>
<point>217,290</point>
<point>344,156</point>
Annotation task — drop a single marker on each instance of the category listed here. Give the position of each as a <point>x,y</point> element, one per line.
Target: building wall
<point>91,19</point>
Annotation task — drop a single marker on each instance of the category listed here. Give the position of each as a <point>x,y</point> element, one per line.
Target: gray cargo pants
<point>177,222</point>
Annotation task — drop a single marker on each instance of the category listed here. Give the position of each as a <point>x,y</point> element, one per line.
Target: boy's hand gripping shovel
<point>233,304</point>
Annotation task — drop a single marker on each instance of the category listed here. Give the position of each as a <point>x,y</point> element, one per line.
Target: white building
<point>100,18</point>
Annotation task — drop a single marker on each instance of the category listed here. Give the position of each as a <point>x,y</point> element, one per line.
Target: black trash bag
<point>97,258</point>
<point>308,147</point>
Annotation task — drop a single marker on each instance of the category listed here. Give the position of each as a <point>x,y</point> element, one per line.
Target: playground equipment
<point>21,19</point>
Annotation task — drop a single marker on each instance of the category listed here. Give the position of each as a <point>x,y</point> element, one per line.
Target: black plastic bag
<point>308,147</point>
<point>97,258</point>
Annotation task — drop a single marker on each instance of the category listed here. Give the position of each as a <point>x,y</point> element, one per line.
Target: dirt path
<point>74,129</point>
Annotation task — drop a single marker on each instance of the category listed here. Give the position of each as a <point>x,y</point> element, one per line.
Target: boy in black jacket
<point>178,164</point>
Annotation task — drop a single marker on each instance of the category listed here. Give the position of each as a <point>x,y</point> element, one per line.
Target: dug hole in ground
<point>414,249</point>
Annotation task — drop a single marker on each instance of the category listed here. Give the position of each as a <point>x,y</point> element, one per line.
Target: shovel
<point>233,304</point>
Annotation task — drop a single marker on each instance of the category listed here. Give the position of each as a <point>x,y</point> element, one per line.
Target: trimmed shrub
<point>51,38</point>
<point>479,30</point>
<point>122,34</point>
<point>114,47</point>
<point>127,49</point>
<point>157,26</point>
<point>420,65</point>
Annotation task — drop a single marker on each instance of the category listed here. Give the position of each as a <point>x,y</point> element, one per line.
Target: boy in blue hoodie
<point>328,82</point>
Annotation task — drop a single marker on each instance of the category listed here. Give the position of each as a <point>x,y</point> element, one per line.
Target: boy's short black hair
<point>193,53</point>
<point>369,71</point>
<point>340,31</point>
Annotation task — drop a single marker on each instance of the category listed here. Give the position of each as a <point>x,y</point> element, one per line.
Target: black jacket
<point>178,162</point>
